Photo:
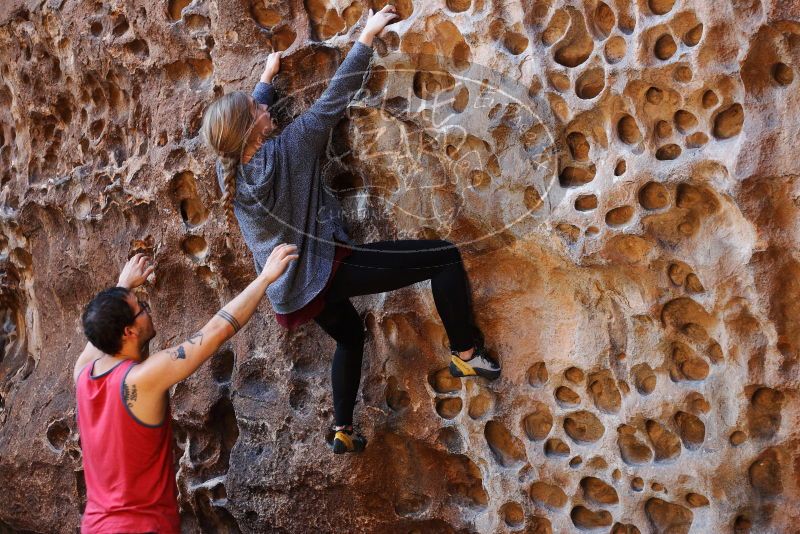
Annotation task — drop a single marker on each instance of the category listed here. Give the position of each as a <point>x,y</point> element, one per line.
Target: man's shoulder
<point>80,368</point>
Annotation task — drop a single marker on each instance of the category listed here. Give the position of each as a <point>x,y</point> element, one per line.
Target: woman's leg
<point>388,265</point>
<point>341,321</point>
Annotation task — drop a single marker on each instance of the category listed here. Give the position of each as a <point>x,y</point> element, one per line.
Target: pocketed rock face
<point>621,179</point>
<point>668,518</point>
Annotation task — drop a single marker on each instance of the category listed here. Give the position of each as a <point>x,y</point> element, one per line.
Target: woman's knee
<point>347,329</point>
<point>448,250</point>
<point>353,339</point>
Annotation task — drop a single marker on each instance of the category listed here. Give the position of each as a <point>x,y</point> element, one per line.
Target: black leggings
<point>385,266</point>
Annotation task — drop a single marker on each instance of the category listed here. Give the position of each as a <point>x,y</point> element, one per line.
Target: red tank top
<point>128,465</point>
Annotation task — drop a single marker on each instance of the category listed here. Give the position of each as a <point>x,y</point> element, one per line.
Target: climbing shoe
<point>481,364</point>
<point>345,440</point>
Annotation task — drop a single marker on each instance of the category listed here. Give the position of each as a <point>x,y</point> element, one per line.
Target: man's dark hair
<point>105,319</point>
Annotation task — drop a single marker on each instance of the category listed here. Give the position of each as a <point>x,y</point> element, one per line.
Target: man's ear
<point>130,331</point>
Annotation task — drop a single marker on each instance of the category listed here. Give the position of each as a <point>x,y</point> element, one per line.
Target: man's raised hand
<point>136,271</point>
<point>278,261</point>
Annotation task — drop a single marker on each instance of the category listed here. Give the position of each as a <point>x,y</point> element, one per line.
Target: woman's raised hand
<point>376,22</point>
<point>278,260</point>
<point>272,68</point>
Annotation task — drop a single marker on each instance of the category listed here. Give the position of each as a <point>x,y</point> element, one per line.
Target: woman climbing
<point>272,185</point>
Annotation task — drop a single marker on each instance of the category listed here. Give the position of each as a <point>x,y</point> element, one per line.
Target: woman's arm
<point>310,130</point>
<point>264,93</point>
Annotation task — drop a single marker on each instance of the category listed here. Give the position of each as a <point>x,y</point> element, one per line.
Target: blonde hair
<point>227,124</point>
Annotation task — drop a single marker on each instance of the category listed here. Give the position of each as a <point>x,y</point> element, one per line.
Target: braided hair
<point>227,124</point>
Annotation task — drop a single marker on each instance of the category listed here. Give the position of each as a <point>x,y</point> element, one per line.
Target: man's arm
<point>134,274</point>
<point>168,367</point>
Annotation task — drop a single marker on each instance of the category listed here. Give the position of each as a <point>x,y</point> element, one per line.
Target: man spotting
<point>123,400</point>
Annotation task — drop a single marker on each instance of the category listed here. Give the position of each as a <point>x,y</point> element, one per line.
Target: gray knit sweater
<point>280,197</point>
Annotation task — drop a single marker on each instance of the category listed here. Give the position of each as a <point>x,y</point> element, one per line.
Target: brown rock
<point>583,427</point>
<point>653,196</point>
<point>678,272</point>
<point>598,492</point>
<point>598,463</point>
<point>637,484</point>
<point>566,397</point>
<point>729,122</point>
<point>765,473</point>
<point>396,398</point>
<point>93,169</point>
<point>512,513</point>
<point>574,375</point>
<point>556,447</point>
<point>603,390</point>
<point>633,451</point>
<point>538,423</point>
<point>507,449</point>
<point>686,364</point>
<point>691,429</point>
<point>620,528</point>
<point>644,378</point>
<point>695,332</point>
<point>737,438</point>
<point>548,495</point>
<point>714,352</point>
<point>668,518</point>
<point>764,416</point>
<point>443,382</point>
<point>742,525</point>
<point>575,461</point>
<point>693,283</point>
<point>480,404</point>
<point>696,500</point>
<point>537,374</point>
<point>539,525</point>
<point>448,408</point>
<point>586,519</point>
<point>697,403</point>
<point>667,445</point>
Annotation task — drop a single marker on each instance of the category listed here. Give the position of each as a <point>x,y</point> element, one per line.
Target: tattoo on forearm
<point>197,336</point>
<point>129,393</point>
<point>231,319</point>
<point>177,353</point>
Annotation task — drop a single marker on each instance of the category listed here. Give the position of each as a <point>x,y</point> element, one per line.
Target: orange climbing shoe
<point>345,439</point>
<point>481,364</point>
